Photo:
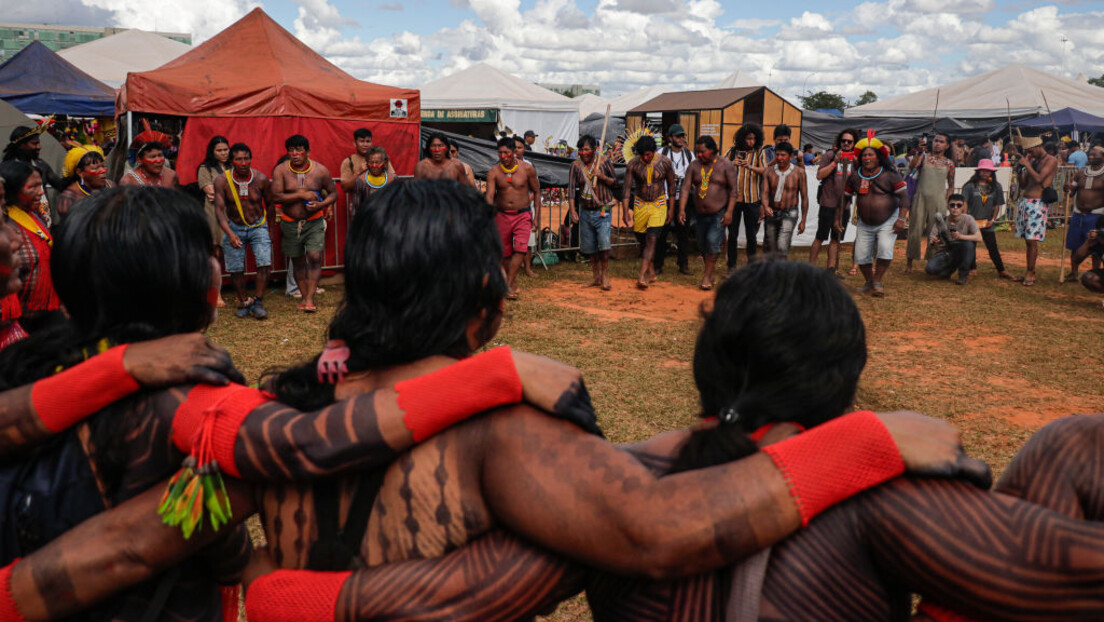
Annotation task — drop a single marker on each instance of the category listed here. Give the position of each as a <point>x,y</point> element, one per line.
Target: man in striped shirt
<point>747,156</point>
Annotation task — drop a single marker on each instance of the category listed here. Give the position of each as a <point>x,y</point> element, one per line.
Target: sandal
<point>641,285</point>
<point>1028,282</point>
<point>307,308</point>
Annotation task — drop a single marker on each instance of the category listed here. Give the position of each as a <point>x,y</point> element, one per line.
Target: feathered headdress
<point>870,141</point>
<point>630,142</point>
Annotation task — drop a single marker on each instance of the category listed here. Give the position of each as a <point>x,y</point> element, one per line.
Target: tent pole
<point>130,129</point>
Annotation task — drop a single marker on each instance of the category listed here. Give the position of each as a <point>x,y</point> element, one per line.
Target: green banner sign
<point>461,115</point>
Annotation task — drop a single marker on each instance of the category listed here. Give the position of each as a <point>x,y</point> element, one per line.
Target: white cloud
<point>202,18</point>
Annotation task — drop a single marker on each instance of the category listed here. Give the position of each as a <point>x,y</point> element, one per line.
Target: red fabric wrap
<point>10,309</point>
<point>9,611</point>
<point>437,400</point>
<point>836,460</point>
<point>940,613</point>
<point>231,405</point>
<point>295,596</point>
<point>71,395</point>
<point>231,602</point>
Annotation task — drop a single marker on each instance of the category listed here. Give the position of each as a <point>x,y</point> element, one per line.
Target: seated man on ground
<point>953,242</point>
<point>1093,280</point>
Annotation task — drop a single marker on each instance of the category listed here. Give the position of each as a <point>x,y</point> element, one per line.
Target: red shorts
<point>514,227</point>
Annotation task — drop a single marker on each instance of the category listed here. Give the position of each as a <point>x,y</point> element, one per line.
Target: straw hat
<point>1029,142</point>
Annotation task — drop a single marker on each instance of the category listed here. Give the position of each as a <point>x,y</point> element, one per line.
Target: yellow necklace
<point>28,222</point>
<point>375,181</point>
<point>310,165</point>
<point>705,182</point>
<point>508,171</point>
<point>651,168</point>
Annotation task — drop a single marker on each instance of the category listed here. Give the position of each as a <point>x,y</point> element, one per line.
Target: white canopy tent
<point>520,105</point>
<point>735,80</point>
<point>983,96</point>
<point>110,59</point>
<point>589,103</point>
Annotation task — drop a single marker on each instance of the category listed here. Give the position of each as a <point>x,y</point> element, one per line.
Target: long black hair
<point>15,174</point>
<point>423,259</point>
<point>210,160</point>
<point>426,153</point>
<point>92,157</point>
<point>783,343</point>
<point>129,264</point>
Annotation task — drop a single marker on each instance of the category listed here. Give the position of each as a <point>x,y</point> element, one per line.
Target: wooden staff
<point>935,112</point>
<point>1065,199</point>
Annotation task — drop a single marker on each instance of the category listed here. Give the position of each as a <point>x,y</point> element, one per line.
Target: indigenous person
<point>522,145</point>
<point>131,446</point>
<point>1093,280</point>
<point>354,166</point>
<point>958,151</point>
<point>711,181</point>
<point>882,203</point>
<point>1036,177</point>
<point>151,169</point>
<point>215,163</point>
<point>510,184</point>
<point>984,198</point>
<point>861,560</point>
<point>650,182</point>
<point>10,310</point>
<point>835,212</point>
<point>954,242</point>
<point>680,156</point>
<point>783,184</point>
<point>1087,187</point>
<point>436,164</point>
<point>40,305</point>
<point>590,203</point>
<point>454,154</point>
<point>305,190</point>
<point>242,196</point>
<point>86,172</point>
<point>620,516</point>
<point>747,156</point>
<point>376,175</point>
<point>25,146</point>
<point>935,184</point>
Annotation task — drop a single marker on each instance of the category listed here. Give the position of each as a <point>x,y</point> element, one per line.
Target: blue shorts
<point>1079,227</point>
<point>594,230</point>
<point>255,238</point>
<point>710,232</point>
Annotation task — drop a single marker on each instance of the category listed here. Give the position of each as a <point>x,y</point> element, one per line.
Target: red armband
<point>82,390</point>
<point>217,412</point>
<point>295,596</point>
<point>9,612</point>
<point>440,399</point>
<point>940,613</point>
<point>836,460</point>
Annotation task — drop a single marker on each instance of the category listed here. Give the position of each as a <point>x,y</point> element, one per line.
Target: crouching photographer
<point>953,241</point>
<point>1093,280</point>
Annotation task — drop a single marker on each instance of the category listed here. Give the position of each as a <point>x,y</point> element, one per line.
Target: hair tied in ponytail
<point>729,416</point>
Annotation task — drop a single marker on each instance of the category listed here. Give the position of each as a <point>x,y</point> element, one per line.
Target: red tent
<point>256,83</point>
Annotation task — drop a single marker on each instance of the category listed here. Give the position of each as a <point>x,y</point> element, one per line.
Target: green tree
<point>1097,81</point>
<point>866,98</point>
<point>822,99</point>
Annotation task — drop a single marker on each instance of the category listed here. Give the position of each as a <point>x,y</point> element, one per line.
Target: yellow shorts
<point>649,214</point>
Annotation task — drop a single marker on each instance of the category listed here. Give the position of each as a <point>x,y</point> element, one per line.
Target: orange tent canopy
<point>256,68</point>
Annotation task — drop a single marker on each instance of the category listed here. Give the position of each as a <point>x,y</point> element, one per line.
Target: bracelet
<point>71,395</point>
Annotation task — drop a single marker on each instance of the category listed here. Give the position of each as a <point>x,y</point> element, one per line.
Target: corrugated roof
<point>712,99</point>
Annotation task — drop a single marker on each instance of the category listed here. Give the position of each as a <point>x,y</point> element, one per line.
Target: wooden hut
<point>719,113</point>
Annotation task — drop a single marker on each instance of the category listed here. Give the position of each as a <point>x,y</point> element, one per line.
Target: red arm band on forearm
<point>295,596</point>
<point>75,393</point>
<point>437,400</point>
<point>836,460</point>
<point>231,405</point>
<point>9,612</point>
<point>940,613</point>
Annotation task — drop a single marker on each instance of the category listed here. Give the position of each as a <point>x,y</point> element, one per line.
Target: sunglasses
<point>958,205</point>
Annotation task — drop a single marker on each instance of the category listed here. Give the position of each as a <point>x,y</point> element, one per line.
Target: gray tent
<point>10,118</point>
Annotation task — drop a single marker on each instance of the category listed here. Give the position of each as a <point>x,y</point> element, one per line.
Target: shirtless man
<point>306,191</point>
<point>1087,186</point>
<point>243,208</point>
<point>783,184</point>
<point>521,146</point>
<point>590,203</point>
<point>712,183</point>
<point>509,185</point>
<point>454,154</point>
<point>436,163</point>
<point>372,179</point>
<point>650,181</point>
<point>357,162</point>
<point>1036,175</point>
<point>151,169</point>
<point>883,207</point>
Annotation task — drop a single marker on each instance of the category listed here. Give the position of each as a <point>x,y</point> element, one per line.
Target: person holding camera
<point>835,167</point>
<point>1036,179</point>
<point>953,241</point>
<point>984,198</point>
<point>933,189</point>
